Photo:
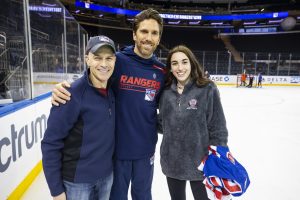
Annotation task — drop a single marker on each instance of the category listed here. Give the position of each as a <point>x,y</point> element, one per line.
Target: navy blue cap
<point>97,42</point>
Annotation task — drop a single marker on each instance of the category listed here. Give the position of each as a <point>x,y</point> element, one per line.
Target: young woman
<point>191,118</point>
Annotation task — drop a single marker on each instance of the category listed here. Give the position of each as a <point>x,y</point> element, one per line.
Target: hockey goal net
<point>243,80</point>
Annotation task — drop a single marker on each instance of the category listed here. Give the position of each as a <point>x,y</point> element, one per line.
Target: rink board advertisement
<point>223,79</point>
<point>267,80</point>
<point>43,79</point>
<point>21,133</point>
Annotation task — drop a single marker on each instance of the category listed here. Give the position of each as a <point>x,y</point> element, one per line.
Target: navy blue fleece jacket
<point>137,86</point>
<point>79,141</point>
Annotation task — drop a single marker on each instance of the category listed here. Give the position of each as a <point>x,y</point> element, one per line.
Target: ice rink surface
<point>264,136</point>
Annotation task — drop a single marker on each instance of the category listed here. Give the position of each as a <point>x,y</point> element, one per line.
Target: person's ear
<point>86,58</point>
<point>158,41</point>
<point>134,36</point>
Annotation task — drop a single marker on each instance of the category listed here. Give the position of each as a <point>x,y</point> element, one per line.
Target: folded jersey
<point>224,175</point>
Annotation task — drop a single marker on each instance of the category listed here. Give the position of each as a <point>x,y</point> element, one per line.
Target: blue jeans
<point>89,191</point>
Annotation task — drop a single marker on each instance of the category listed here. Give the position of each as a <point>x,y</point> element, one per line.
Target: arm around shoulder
<point>59,93</point>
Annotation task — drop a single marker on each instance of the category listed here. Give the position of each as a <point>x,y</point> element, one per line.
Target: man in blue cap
<point>78,144</point>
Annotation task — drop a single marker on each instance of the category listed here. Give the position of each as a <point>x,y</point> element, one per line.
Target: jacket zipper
<point>179,101</point>
<point>109,112</point>
<point>109,104</point>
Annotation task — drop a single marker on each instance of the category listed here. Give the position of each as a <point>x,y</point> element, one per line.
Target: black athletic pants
<point>177,189</point>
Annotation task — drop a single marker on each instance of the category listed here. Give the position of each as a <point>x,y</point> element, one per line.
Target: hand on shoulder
<point>59,93</point>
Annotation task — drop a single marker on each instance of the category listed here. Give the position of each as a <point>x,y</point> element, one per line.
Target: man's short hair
<point>148,14</point>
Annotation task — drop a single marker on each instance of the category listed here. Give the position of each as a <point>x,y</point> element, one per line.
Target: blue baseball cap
<point>97,42</point>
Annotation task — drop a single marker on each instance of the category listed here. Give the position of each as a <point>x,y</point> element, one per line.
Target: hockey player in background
<point>259,81</point>
<point>243,79</point>
<point>251,79</point>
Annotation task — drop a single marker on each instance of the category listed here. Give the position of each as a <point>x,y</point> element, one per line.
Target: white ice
<point>264,136</point>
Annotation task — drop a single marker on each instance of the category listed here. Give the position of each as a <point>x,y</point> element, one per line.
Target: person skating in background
<point>251,79</point>
<point>79,141</point>
<point>259,81</point>
<point>191,118</point>
<point>139,80</point>
<point>243,79</point>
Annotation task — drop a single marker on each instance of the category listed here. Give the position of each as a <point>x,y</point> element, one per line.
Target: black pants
<point>177,189</point>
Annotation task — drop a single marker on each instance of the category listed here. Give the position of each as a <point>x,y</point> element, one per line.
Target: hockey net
<point>240,83</point>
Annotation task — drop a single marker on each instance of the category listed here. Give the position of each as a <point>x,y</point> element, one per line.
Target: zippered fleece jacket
<point>137,84</point>
<point>79,140</point>
<point>190,122</point>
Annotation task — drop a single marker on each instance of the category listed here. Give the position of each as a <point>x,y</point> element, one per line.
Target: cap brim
<point>98,46</point>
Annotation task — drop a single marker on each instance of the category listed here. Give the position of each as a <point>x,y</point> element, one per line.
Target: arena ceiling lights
<point>131,13</point>
<point>207,1</point>
<point>234,23</point>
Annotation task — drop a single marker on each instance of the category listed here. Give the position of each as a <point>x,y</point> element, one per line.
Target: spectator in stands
<point>251,78</point>
<point>207,75</point>
<point>243,79</point>
<point>191,118</point>
<point>75,66</point>
<point>14,58</point>
<point>259,81</point>
<point>78,66</point>
<point>58,66</point>
<point>139,80</point>
<point>3,87</point>
<point>78,144</point>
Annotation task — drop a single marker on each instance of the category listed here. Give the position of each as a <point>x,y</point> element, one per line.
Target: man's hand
<point>62,196</point>
<point>60,94</point>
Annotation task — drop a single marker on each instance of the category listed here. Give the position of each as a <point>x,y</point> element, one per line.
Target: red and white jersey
<point>224,175</point>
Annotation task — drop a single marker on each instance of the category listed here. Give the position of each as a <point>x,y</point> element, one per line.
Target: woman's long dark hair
<point>197,73</point>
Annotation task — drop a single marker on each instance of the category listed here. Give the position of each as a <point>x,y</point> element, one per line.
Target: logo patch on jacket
<point>192,104</point>
<point>154,76</point>
<point>150,94</point>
